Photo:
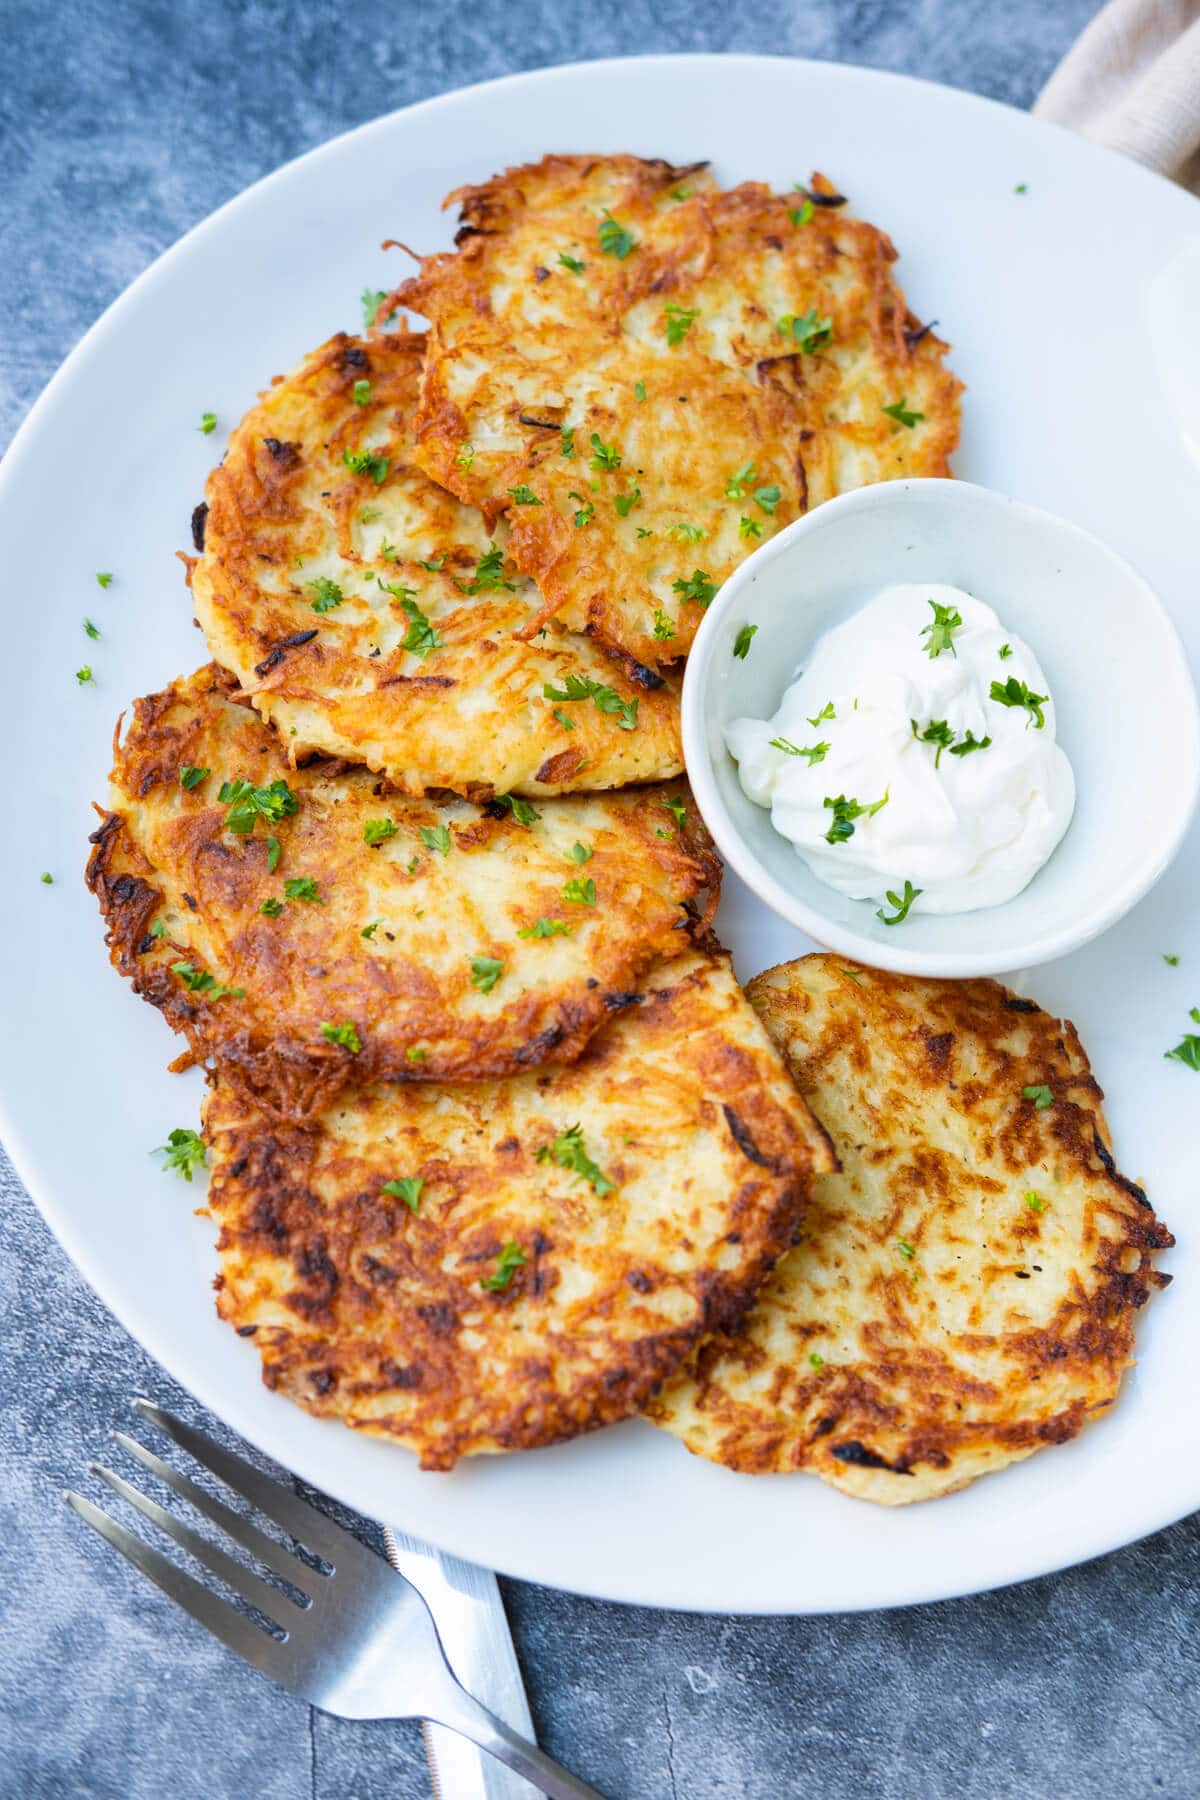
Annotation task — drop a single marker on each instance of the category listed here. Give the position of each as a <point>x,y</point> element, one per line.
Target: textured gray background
<point>121,125</point>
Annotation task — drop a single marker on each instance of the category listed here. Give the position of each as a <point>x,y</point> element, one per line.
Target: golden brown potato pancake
<point>351,933</point>
<point>501,1265</point>
<point>965,1289</point>
<point>650,376</point>
<point>371,615</point>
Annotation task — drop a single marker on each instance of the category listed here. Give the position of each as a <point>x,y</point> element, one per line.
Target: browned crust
<point>163,853</point>
<point>366,1311</point>
<point>912,1411</point>
<point>745,398</point>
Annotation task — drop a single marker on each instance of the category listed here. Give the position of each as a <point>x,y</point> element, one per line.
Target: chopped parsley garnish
<point>372,300</point>
<point>1022,187</point>
<point>698,587</point>
<point>367,462</point>
<point>436,837</point>
<point>571,262</point>
<point>344,1035</point>
<point>199,981</point>
<point>466,454</point>
<point>362,393</point>
<point>485,973</point>
<point>743,641</point>
<point>434,564</point>
<point>208,423</point>
<point>663,628</point>
<point>639,390</point>
<point>767,497</point>
<point>800,215</point>
<point>604,456</point>
<point>569,1152</point>
<point>368,931</point>
<point>806,330</point>
<point>84,675</point>
<point>1005,652</point>
<point>625,503</point>
<point>898,412</point>
<point>749,528</point>
<point>676,808</point>
<point>184,1152</point>
<point>248,803</point>
<point>1187,1050</point>
<point>826,712</point>
<point>567,724</point>
<point>48,878</point>
<point>157,930</point>
<point>378,831</point>
<point>1034,1202</point>
<point>643,533</point>
<point>545,928</point>
<point>420,638</point>
<point>566,435</point>
<point>271,908</point>
<point>580,891</point>
<point>615,239</point>
<point>523,495</point>
<point>302,887</point>
<point>1040,1095</point>
<point>946,621</point>
<point>580,687</point>
<point>511,1258</point>
<point>735,487</point>
<point>936,732</point>
<point>326,594</point>
<point>685,531</point>
<point>190,776</point>
<point>901,902</point>
<point>845,812</point>
<point>905,1248</point>
<point>274,852</point>
<point>969,742</point>
<point>415,1055</point>
<point>1172,962</point>
<point>92,630</point>
<point>585,512</point>
<point>407,1189</point>
<point>678,321</point>
<point>580,853</point>
<point>1015,693</point>
<point>522,811</point>
<point>489,574</point>
<point>104,577</point>
<point>815,752</point>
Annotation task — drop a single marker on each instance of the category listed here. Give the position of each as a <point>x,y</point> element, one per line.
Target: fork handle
<point>465,1715</point>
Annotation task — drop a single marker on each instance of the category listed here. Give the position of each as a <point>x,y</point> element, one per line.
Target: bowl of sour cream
<point>941,731</point>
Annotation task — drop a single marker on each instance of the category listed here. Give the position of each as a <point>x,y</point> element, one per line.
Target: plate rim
<point>213,1395</point>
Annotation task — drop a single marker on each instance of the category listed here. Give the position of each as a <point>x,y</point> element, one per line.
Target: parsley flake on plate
<point>743,641</point>
<point>84,675</point>
<point>48,878</point>
<point>104,578</point>
<point>184,1152</point>
<point>92,630</point>
<point>569,1152</point>
<point>208,423</point>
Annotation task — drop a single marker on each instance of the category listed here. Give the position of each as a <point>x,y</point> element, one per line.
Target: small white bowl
<point>1125,703</point>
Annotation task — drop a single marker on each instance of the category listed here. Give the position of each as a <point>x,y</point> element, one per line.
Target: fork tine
<point>242,1530</point>
<point>272,1602</point>
<point>271,1497</point>
<point>233,1628</point>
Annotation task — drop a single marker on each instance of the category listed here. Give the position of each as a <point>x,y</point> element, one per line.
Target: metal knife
<point>469,1615</point>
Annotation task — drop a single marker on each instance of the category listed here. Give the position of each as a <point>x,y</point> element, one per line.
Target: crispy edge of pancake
<point>471,714</point>
<point>903,1420</point>
<point>796,416</point>
<point>291,1070</point>
<point>365,1310</point>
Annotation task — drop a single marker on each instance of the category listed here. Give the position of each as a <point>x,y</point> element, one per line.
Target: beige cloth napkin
<point>1132,81</point>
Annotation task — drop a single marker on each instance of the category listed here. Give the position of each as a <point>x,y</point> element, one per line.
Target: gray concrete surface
<point>123,122</point>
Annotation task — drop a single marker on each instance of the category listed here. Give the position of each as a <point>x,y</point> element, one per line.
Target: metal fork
<point>353,1638</point>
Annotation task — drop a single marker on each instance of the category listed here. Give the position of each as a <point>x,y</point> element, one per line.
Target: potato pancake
<point>965,1289</point>
<point>371,615</point>
<point>651,375</point>
<point>501,1265</point>
<point>308,927</point>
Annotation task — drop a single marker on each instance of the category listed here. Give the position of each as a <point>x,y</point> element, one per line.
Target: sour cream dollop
<point>890,760</point>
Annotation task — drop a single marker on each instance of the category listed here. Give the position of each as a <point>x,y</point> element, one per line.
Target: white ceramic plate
<point>1071,308</point>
